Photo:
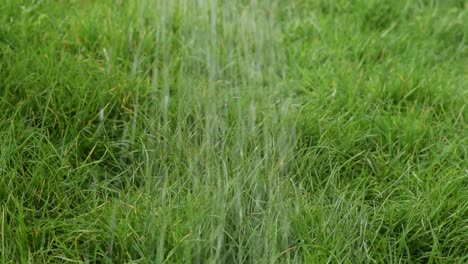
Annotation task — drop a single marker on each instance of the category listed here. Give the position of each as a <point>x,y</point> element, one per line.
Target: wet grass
<point>233,131</point>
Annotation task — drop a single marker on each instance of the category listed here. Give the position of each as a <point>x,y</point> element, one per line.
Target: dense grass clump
<point>233,131</point>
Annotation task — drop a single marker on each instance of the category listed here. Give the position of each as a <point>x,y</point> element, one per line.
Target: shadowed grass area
<point>233,132</point>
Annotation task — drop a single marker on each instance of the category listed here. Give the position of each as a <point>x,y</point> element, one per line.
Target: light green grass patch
<point>233,131</point>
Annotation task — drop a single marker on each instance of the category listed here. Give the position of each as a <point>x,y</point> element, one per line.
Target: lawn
<point>243,131</point>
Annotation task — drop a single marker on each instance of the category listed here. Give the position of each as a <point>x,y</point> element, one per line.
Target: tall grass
<point>233,131</point>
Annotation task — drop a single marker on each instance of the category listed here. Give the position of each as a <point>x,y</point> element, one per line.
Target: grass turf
<point>233,131</point>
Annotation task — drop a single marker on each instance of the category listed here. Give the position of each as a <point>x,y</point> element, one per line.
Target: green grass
<point>233,131</point>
